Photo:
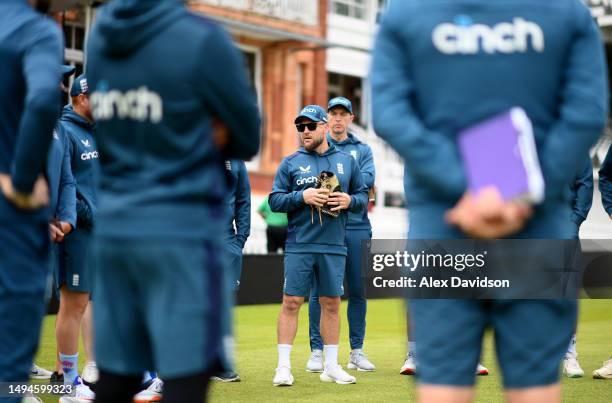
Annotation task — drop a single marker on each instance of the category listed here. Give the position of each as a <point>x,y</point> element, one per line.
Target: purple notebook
<point>501,152</point>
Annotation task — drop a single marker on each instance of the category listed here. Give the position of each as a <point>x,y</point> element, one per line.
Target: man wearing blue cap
<point>62,200</point>
<point>317,177</point>
<point>73,270</point>
<point>358,229</point>
<point>61,181</point>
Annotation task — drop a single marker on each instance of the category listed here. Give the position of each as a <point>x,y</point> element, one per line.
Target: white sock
<point>284,355</point>
<point>331,355</point>
<point>356,351</point>
<point>412,347</point>
<point>571,349</point>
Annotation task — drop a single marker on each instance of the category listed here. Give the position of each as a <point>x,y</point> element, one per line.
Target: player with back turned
<point>31,54</point>
<point>166,110</point>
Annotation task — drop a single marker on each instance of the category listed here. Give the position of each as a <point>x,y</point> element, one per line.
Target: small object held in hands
<point>327,180</point>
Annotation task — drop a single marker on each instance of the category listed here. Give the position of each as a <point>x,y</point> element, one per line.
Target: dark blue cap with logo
<point>67,70</point>
<point>79,86</point>
<point>340,101</point>
<point>312,112</point>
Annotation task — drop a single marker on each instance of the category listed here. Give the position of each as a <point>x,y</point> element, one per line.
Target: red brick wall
<point>283,92</point>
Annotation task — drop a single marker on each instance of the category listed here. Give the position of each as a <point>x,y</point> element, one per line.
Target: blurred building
<point>283,44</point>
<point>351,29</point>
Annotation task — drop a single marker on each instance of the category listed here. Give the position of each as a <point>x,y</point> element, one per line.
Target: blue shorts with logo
<point>72,262</point>
<point>302,270</point>
<point>161,305</point>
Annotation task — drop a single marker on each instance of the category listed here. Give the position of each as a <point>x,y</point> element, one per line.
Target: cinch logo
<point>310,179</point>
<point>89,155</point>
<point>310,110</point>
<point>140,104</point>
<point>467,38</point>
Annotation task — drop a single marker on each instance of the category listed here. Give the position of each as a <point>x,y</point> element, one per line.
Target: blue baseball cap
<point>312,112</point>
<point>67,70</point>
<point>340,101</point>
<point>79,86</point>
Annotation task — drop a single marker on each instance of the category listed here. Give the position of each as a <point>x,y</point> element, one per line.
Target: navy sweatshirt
<point>83,154</point>
<point>160,76</point>
<point>238,201</point>
<point>298,172</point>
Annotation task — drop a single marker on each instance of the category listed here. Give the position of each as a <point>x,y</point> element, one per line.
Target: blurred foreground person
<point>462,62</point>
<point>31,52</point>
<point>166,112</point>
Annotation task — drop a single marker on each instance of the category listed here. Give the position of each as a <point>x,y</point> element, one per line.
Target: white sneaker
<point>37,372</point>
<point>283,377</point>
<point>31,399</point>
<point>80,393</point>
<point>481,370</point>
<point>90,373</point>
<point>605,372</point>
<point>315,362</point>
<point>338,375</point>
<point>409,367</point>
<point>153,392</point>
<point>359,361</point>
<point>571,368</point>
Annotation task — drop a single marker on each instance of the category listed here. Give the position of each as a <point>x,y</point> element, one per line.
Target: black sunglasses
<point>311,126</point>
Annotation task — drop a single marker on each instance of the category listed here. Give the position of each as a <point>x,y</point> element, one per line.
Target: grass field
<point>386,347</point>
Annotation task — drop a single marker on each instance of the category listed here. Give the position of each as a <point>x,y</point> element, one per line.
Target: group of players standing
<point>166,136</point>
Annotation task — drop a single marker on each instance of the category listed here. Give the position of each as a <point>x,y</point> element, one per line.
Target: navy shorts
<point>72,262</point>
<point>324,270</point>
<point>531,338</point>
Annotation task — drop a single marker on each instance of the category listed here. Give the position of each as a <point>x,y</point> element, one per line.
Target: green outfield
<point>386,347</point>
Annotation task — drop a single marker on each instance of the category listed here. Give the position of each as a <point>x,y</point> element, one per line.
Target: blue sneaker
<point>227,376</point>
